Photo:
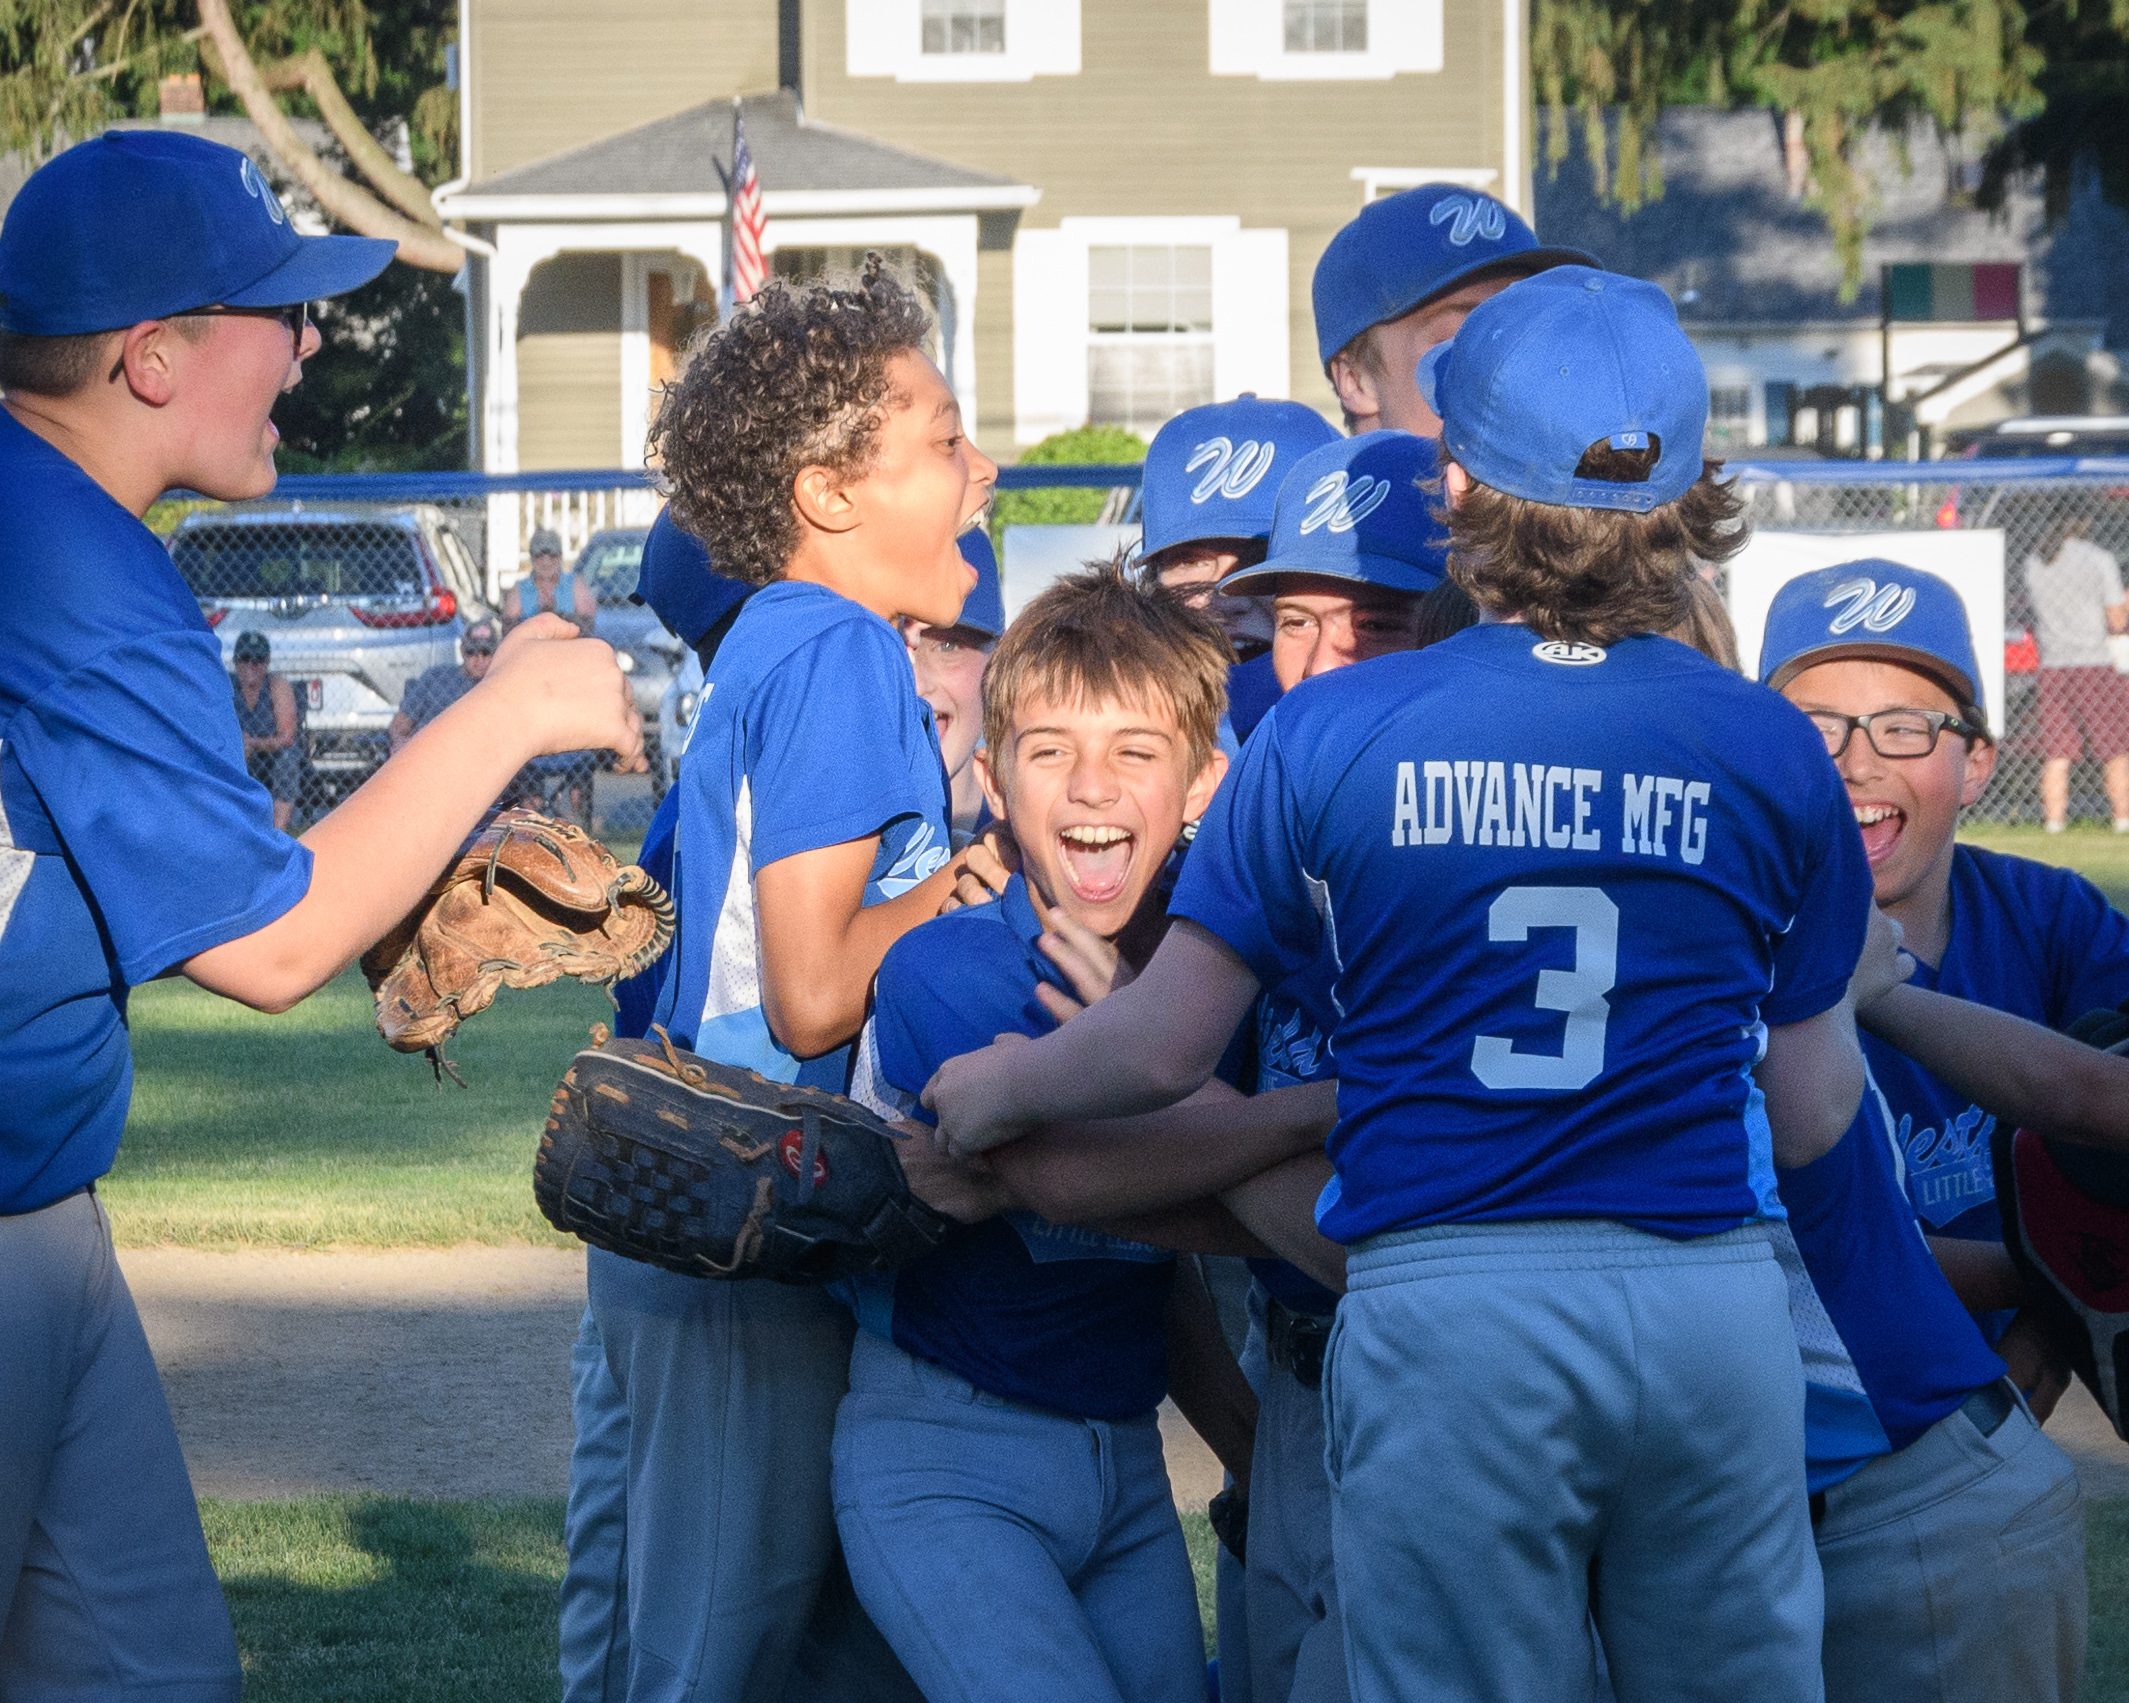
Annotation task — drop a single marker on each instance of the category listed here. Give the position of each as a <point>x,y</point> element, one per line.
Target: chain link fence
<point>2033,506</point>
<point>363,587</point>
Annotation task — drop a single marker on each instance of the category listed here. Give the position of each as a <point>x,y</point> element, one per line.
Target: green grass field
<point>362,1599</point>
<point>2094,849</point>
<point>306,1131</point>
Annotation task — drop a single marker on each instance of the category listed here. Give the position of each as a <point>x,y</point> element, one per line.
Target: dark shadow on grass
<point>463,1612</point>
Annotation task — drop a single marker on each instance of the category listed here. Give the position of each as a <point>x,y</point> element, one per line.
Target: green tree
<point>2085,121</point>
<point>1838,69</point>
<point>387,389</point>
<point>1066,505</point>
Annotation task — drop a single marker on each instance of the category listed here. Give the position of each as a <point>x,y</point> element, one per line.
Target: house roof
<point>1726,228</point>
<point>678,165</point>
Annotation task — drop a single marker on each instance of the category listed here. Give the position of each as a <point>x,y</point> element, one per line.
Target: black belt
<point>1294,1342</point>
<point>1986,1409</point>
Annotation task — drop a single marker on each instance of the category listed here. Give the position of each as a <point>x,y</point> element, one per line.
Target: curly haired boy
<point>818,453</point>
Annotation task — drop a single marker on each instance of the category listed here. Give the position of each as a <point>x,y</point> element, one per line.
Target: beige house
<point>1115,205</point>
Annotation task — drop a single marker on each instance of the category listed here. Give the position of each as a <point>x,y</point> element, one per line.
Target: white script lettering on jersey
<point>1441,802</point>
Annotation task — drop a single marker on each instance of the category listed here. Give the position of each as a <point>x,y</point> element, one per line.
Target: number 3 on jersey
<point>1578,992</point>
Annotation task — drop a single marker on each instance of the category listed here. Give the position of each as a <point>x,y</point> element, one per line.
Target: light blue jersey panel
<point>810,734</point>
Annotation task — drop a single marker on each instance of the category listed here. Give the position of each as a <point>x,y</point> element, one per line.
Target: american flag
<point>749,270</point>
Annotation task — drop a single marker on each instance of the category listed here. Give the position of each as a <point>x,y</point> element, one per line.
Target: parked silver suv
<point>355,603</point>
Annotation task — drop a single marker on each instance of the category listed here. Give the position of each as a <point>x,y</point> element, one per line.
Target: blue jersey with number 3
<point>1564,887</point>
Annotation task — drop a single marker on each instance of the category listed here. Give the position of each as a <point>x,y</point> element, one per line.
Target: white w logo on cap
<point>1473,219</point>
<point>1873,609</point>
<point>1235,472</point>
<point>1342,506</point>
<point>260,190</point>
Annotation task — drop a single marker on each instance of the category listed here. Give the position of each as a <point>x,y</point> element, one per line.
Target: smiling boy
<point>819,455</point>
<point>949,663</point>
<point>998,1475</point>
<point>1901,711</point>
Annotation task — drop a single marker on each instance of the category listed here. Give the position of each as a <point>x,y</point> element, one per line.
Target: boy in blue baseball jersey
<point>819,455</point>
<point>1339,594</point>
<point>151,313</point>
<point>1591,977</point>
<point>1880,657</point>
<point>1210,478</point>
<point>1399,279</point>
<point>998,1474</point>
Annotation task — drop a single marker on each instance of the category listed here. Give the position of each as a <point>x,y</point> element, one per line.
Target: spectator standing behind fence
<point>266,714</point>
<point>2078,601</point>
<point>435,690</point>
<point>548,588</point>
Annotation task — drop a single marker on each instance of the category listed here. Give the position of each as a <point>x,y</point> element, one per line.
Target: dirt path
<point>439,1373</point>
<point>446,1373</point>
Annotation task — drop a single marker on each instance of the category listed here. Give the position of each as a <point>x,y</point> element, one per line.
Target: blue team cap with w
<point>1355,510</point>
<point>140,224</point>
<point>1875,609</point>
<point>1406,249</point>
<point>677,583</point>
<point>985,609</point>
<point>1557,363</point>
<point>1213,472</point>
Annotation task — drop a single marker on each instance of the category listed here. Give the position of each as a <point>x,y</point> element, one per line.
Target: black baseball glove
<point>694,1166</point>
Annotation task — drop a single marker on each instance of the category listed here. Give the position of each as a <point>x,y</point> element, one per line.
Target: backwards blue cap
<point>681,588</point>
<point>140,224</point>
<point>1556,363</point>
<point>1408,248</point>
<point>1354,510</point>
<point>1213,472</point>
<point>985,609</point>
<point>1876,609</point>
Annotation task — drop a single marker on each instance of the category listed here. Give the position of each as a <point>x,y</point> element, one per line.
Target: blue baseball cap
<point>1213,472</point>
<point>1355,510</point>
<point>677,583</point>
<point>140,224</point>
<point>1556,363</point>
<point>984,612</point>
<point>1875,609</point>
<point>1406,249</point>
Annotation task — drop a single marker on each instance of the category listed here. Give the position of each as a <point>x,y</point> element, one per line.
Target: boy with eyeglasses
<point>151,293</point>
<point>1899,705</point>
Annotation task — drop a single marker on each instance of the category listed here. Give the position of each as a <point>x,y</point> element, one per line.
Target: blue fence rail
<point>464,487</point>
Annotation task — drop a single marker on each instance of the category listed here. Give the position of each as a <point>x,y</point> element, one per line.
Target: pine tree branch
<point>346,202</point>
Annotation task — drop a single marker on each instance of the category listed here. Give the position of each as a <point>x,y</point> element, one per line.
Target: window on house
<point>964,26</point>
<point>1149,334</point>
<point>1326,26</point>
<point>1730,411</point>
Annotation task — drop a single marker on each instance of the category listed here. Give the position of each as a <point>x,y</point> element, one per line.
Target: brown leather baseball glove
<point>527,901</point>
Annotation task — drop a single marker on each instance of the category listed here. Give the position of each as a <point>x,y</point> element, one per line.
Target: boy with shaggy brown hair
<point>999,1481</point>
<point>817,452</point>
<point>1591,986</point>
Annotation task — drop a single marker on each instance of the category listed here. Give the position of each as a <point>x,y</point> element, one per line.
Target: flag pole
<point>725,290</point>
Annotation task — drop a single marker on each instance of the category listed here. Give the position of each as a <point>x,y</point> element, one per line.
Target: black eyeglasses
<point>294,315</point>
<point>1892,733</point>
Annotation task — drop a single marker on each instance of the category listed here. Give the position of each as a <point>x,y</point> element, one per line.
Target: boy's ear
<point>1355,386</point>
<point>993,791</point>
<point>1980,768</point>
<point>1455,482</point>
<point>144,356</point>
<point>822,501</point>
<point>1199,798</point>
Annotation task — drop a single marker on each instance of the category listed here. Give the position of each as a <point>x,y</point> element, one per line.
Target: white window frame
<point>1207,339</point>
<point>885,38</point>
<point>1377,181</point>
<point>1251,321</point>
<point>1247,38</point>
